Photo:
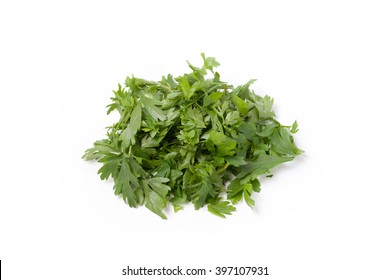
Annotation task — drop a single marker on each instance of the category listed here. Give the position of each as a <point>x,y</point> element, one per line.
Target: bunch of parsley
<point>191,138</point>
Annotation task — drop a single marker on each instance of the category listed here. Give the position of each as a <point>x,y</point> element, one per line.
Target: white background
<point>326,63</point>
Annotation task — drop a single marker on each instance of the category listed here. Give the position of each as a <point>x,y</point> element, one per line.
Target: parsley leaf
<point>128,135</point>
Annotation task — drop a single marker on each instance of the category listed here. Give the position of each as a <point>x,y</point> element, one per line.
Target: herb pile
<point>191,138</point>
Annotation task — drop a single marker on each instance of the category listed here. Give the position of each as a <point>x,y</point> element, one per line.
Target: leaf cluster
<point>191,138</point>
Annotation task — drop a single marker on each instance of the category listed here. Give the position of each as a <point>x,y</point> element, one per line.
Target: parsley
<point>192,138</point>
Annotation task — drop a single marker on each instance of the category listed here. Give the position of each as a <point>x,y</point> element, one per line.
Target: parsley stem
<point>223,168</point>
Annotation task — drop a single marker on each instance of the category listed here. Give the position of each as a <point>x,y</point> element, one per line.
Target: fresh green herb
<point>192,138</point>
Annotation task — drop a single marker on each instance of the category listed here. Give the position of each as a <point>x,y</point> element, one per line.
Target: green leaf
<point>255,185</point>
<point>209,62</point>
<point>155,112</point>
<point>186,88</point>
<point>100,149</point>
<point>264,107</point>
<point>283,142</point>
<point>248,199</point>
<point>225,145</point>
<point>157,185</point>
<point>169,80</point>
<point>232,119</point>
<point>294,128</point>
<point>122,184</point>
<point>247,194</point>
<point>236,161</point>
<point>228,148</point>
<point>156,204</point>
<point>235,191</point>
<point>110,166</point>
<point>262,165</point>
<point>248,129</point>
<point>241,105</point>
<point>203,192</point>
<point>221,208</point>
<point>217,138</point>
<point>212,98</point>
<point>128,135</point>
